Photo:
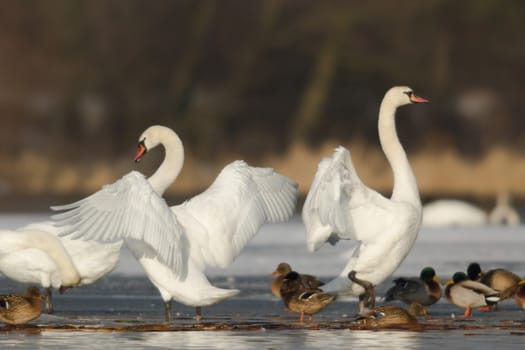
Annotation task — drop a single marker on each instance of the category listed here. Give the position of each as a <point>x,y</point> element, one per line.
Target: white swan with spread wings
<point>174,245</point>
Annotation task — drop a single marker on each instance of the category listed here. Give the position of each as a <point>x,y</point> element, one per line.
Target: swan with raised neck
<point>405,184</point>
<point>340,206</point>
<point>171,166</point>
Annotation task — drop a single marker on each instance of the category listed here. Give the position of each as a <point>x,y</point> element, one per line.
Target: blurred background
<point>278,83</point>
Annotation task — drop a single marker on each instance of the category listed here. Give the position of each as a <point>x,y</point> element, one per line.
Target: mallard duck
<point>425,290</point>
<point>390,315</point>
<point>18,309</point>
<point>299,299</point>
<point>466,293</point>
<point>501,280</point>
<point>309,281</point>
<point>519,295</point>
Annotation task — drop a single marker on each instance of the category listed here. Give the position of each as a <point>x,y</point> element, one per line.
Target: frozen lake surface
<point>126,297</point>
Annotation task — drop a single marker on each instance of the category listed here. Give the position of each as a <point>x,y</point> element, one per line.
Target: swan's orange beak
<point>142,150</point>
<point>416,99</point>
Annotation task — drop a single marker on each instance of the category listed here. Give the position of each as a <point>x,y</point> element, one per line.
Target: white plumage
<point>174,245</point>
<point>340,206</point>
<point>93,260</point>
<point>34,255</point>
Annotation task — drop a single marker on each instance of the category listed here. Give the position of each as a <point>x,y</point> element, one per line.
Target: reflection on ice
<point>296,339</point>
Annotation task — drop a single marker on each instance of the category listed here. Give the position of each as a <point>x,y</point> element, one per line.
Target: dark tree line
<point>258,75</point>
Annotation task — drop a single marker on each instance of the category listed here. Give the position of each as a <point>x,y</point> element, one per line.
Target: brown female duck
<point>17,309</point>
<point>299,299</point>
<point>504,281</point>
<point>391,316</point>
<point>309,281</point>
<point>425,290</point>
<point>463,292</point>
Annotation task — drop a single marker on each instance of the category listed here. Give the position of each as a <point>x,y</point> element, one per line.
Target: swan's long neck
<point>172,163</point>
<point>405,185</point>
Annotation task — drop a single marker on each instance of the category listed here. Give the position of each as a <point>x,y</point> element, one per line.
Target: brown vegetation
<point>278,83</point>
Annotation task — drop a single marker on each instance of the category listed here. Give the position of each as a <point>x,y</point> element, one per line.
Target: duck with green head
<point>504,281</point>
<point>425,290</point>
<point>463,292</point>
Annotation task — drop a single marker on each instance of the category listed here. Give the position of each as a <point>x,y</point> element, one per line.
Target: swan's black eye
<point>142,143</point>
<point>408,93</point>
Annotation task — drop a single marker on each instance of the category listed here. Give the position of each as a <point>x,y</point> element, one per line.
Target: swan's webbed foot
<point>367,300</point>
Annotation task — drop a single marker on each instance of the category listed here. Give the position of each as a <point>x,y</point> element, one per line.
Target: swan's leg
<point>167,310</point>
<point>301,317</point>
<point>368,298</point>
<point>198,314</point>
<point>49,301</point>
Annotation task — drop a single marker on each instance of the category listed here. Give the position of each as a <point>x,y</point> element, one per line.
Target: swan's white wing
<point>128,209</point>
<point>220,221</point>
<point>338,202</point>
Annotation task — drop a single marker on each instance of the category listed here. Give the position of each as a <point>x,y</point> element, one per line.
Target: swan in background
<point>340,206</point>
<point>504,212</point>
<point>452,212</point>
<point>174,245</point>
<point>455,212</point>
<point>33,256</point>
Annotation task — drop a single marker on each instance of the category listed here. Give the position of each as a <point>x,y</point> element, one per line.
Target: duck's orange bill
<point>416,99</point>
<point>140,152</point>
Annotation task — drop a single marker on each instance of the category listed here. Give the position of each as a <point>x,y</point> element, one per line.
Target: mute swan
<point>504,212</point>
<point>36,257</point>
<point>210,229</point>
<point>452,212</point>
<point>93,260</point>
<point>340,206</point>
<point>455,212</point>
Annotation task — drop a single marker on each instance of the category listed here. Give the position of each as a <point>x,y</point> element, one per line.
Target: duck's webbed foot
<point>367,300</point>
